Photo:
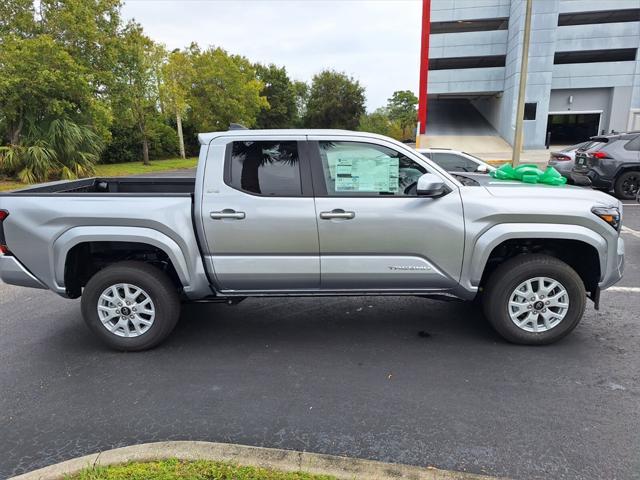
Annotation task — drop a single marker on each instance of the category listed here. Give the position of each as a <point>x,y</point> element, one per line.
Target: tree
<point>402,108</point>
<point>335,101</point>
<point>135,91</point>
<point>379,122</point>
<point>279,92</point>
<point>177,75</point>
<point>38,79</point>
<point>88,31</point>
<point>301,94</point>
<point>17,18</point>
<point>224,90</point>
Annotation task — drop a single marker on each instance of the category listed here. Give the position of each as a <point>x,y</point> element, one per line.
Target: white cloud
<point>377,42</point>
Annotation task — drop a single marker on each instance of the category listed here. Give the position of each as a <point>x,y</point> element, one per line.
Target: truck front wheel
<point>130,305</point>
<point>534,299</point>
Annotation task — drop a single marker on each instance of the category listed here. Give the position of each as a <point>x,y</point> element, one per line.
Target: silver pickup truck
<point>311,213</point>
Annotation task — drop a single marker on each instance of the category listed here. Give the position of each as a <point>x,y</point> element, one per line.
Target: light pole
<point>517,141</point>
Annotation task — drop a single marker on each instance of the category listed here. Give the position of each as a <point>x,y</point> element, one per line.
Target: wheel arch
<point>69,250</point>
<point>582,248</point>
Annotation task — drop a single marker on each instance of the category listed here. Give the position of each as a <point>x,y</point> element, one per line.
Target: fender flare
<point>494,236</point>
<point>77,235</point>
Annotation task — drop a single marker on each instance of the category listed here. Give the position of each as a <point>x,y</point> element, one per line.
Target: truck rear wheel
<point>130,305</point>
<point>534,299</point>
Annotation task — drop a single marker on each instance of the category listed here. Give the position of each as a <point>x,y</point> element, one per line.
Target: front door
<point>375,232</point>
<point>259,216</point>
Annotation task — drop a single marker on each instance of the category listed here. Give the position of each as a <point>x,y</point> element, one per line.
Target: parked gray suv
<point>611,162</point>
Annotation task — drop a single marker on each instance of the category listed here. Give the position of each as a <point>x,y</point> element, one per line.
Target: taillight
<point>561,157</point>
<point>3,244</point>
<point>599,155</point>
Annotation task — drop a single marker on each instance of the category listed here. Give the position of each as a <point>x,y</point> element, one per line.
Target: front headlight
<point>611,215</point>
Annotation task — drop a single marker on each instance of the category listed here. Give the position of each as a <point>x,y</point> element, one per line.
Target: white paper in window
<point>375,175</point>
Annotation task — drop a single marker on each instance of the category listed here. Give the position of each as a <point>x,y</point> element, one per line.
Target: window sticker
<point>376,175</point>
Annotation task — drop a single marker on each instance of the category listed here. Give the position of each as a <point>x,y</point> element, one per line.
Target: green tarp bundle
<point>529,174</point>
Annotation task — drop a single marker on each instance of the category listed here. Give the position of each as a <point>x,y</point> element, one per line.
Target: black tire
<point>627,185</point>
<point>155,283</point>
<point>508,276</point>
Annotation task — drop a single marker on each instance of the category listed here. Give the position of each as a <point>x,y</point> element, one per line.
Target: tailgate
<point>583,162</point>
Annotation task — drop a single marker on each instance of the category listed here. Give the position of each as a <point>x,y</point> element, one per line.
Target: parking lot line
<point>631,231</point>
<point>624,289</point>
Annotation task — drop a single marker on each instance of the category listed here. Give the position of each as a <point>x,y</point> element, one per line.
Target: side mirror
<point>482,169</point>
<point>430,185</point>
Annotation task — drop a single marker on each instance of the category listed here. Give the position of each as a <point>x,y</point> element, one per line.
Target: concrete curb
<point>342,468</point>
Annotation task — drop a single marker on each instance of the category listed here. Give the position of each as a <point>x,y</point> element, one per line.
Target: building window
<point>530,111</point>
<point>478,25</point>
<point>265,168</point>
<point>604,16</point>
<point>593,56</point>
<point>467,62</point>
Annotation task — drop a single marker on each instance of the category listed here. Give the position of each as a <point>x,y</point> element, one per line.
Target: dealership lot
<point>396,379</point>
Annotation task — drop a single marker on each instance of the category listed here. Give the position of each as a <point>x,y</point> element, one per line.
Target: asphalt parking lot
<point>395,379</point>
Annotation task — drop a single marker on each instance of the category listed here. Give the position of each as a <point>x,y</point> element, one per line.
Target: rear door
<point>258,215</point>
<point>375,232</point>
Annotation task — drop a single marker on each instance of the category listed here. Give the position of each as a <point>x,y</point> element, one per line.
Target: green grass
<point>136,168</point>
<point>4,186</point>
<point>122,169</point>
<point>183,470</point>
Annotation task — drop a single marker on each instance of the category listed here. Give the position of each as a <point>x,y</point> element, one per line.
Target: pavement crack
<point>96,460</point>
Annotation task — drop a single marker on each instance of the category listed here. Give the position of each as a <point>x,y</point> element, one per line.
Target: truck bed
<point>116,185</point>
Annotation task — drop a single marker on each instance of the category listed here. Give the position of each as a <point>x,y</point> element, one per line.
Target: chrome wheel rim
<point>126,310</point>
<point>538,304</point>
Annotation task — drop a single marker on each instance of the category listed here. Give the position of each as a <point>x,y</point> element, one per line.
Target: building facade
<point>583,67</point>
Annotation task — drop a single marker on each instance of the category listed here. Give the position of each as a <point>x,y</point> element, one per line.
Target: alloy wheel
<point>126,310</point>
<point>538,304</point>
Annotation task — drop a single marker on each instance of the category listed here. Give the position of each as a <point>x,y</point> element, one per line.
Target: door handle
<point>337,213</point>
<point>228,213</point>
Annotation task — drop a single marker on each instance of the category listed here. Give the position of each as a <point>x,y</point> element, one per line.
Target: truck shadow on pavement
<point>333,323</point>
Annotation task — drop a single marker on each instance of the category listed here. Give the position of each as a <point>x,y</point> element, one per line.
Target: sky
<point>375,41</point>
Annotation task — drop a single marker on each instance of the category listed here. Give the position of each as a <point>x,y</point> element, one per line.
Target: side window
<point>354,169</point>
<point>265,168</point>
<point>454,163</point>
<point>633,145</point>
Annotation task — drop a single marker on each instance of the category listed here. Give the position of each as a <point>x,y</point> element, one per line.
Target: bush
<point>126,144</point>
<point>59,148</point>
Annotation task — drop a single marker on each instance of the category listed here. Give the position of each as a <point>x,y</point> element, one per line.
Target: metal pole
<point>517,141</point>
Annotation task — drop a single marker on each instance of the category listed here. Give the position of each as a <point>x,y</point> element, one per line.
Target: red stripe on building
<point>424,66</point>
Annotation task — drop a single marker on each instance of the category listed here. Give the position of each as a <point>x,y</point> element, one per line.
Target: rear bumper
<point>591,178</point>
<point>563,166</point>
<point>13,273</point>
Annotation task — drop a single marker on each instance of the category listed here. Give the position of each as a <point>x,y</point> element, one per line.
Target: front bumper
<point>13,273</point>
<point>615,267</point>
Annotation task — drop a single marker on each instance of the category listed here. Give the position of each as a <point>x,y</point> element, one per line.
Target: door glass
<point>454,163</point>
<point>265,168</point>
<point>365,169</point>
